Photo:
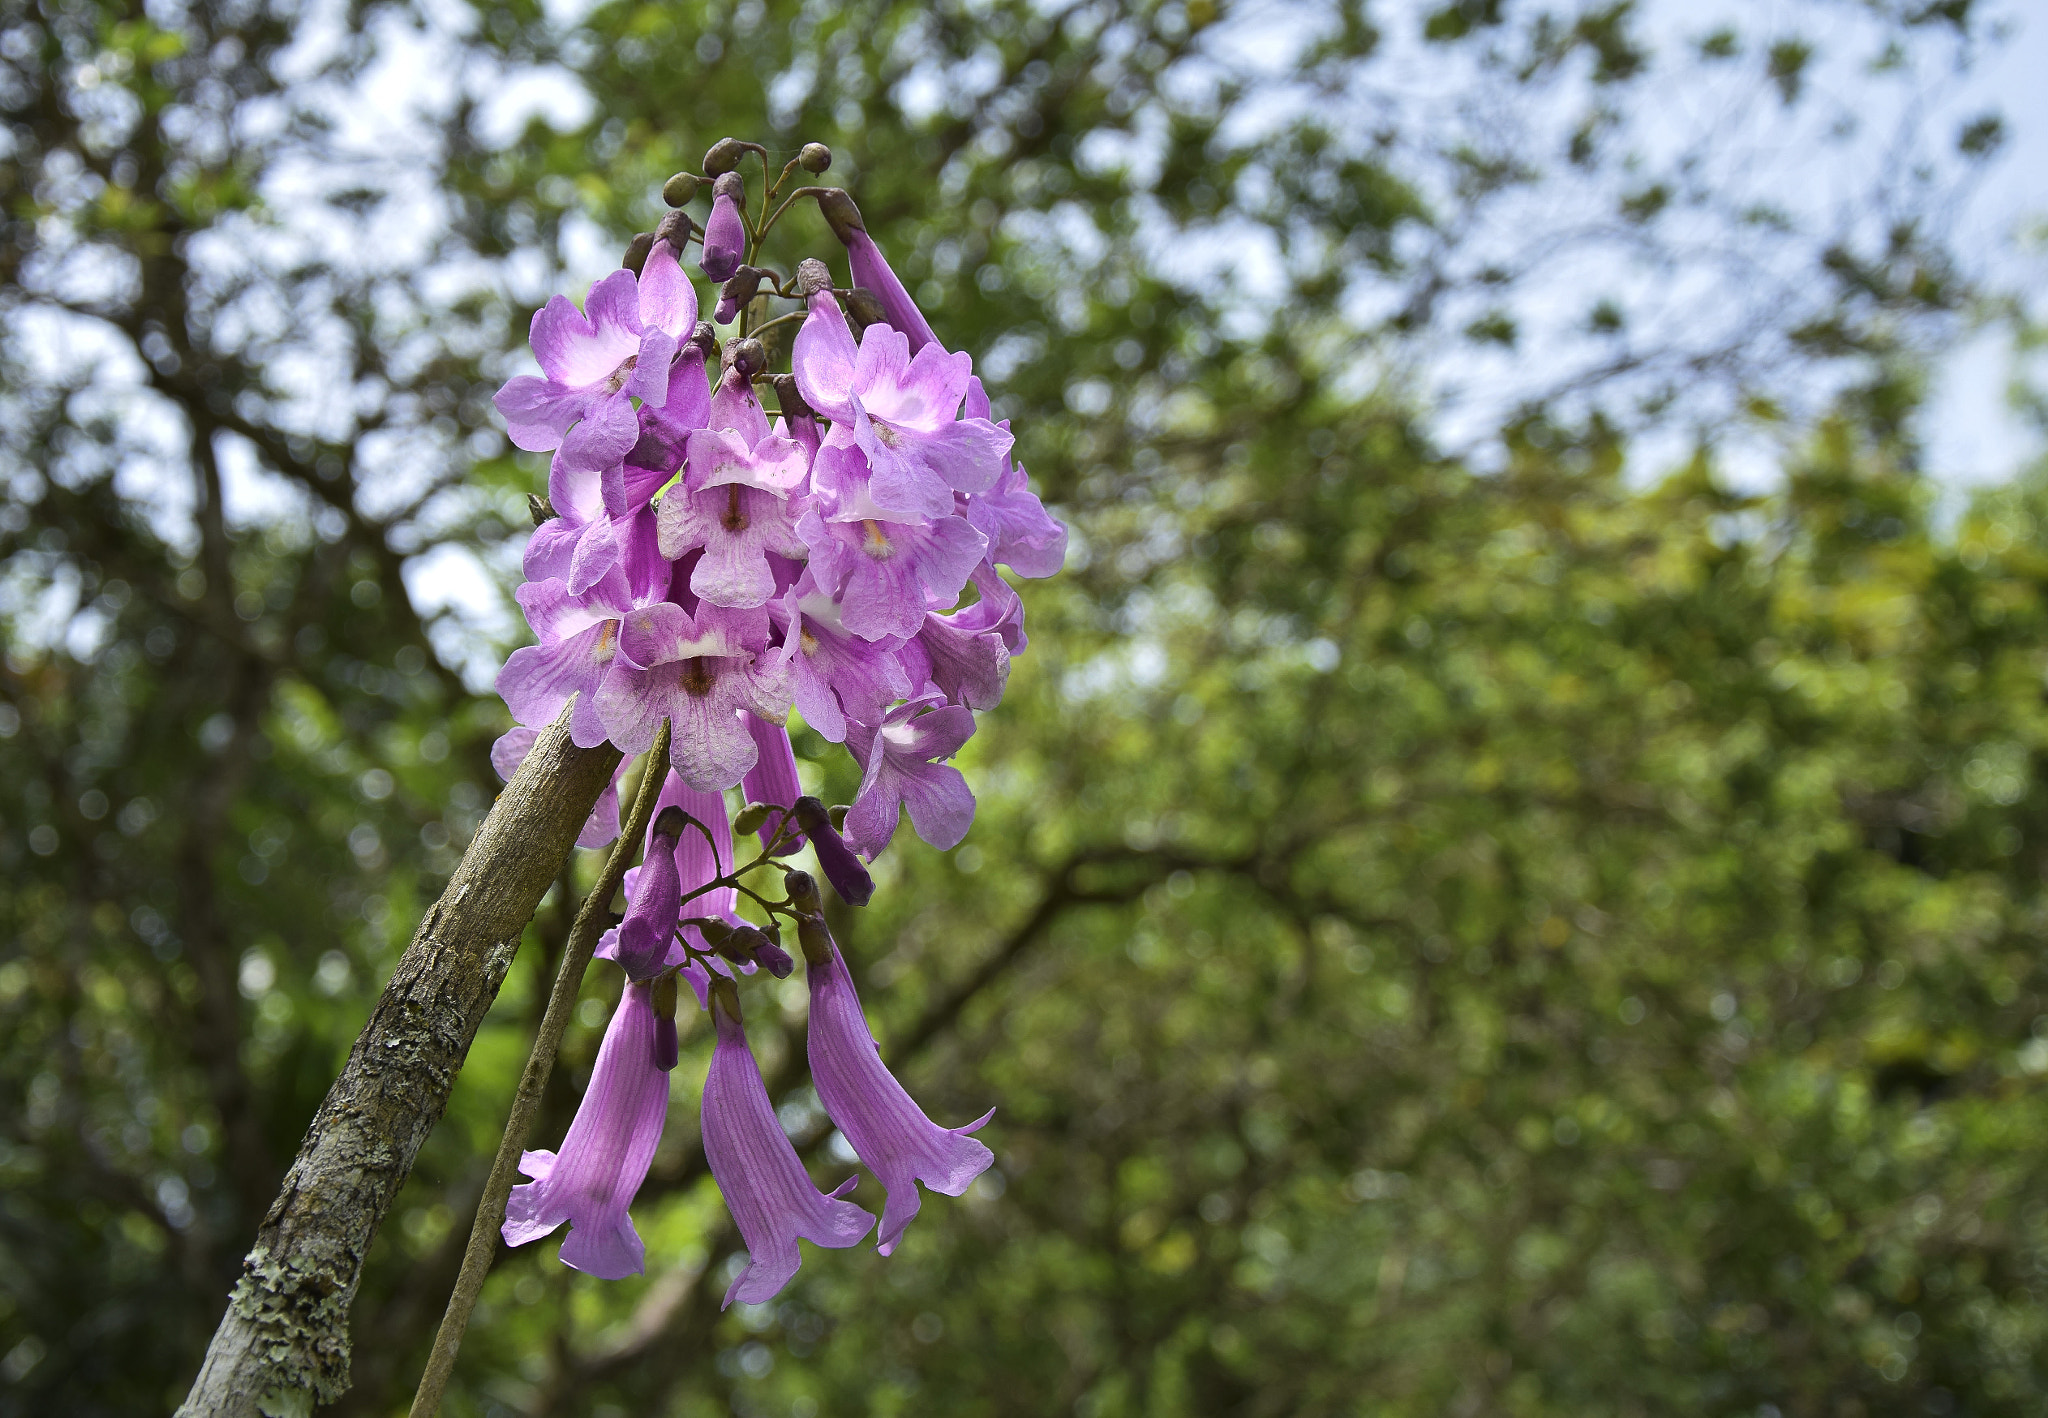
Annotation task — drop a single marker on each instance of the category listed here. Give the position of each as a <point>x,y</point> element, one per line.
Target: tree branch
<point>283,1344</point>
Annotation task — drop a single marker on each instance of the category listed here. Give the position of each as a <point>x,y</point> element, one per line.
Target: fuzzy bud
<point>747,356</point>
<point>706,340</point>
<point>815,157</point>
<point>751,819</point>
<point>864,308</point>
<point>680,190</point>
<point>635,259</point>
<point>540,509</point>
<point>774,959</point>
<point>723,156</point>
<point>740,289</point>
<point>812,277</point>
<point>790,403</point>
<point>675,229</point>
<point>725,235</point>
<point>803,892</point>
<point>840,213</point>
<point>672,823</point>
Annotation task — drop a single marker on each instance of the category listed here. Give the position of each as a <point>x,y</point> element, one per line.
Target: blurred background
<point>1509,881</point>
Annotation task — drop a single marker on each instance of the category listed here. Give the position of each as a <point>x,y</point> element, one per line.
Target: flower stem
<point>490,1211</point>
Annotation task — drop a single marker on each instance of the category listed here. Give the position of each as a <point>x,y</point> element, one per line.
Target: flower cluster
<point>713,562</point>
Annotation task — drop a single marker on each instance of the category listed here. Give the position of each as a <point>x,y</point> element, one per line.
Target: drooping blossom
<point>590,1183</point>
<point>772,1199</point>
<point>708,561</point>
<point>886,1128</point>
<point>901,768</point>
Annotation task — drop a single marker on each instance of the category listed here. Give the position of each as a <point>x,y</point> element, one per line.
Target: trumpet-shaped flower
<point>590,1183</point>
<point>771,1197</point>
<point>701,672</point>
<point>900,1145</point>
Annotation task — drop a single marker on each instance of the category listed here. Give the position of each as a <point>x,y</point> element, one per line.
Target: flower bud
<point>751,819</point>
<point>840,213</point>
<point>842,868</point>
<point>839,812</point>
<point>706,340</point>
<point>864,308</point>
<point>675,229</point>
<point>665,1044</point>
<point>738,943</point>
<point>680,190</point>
<point>725,995</point>
<point>540,509</point>
<point>812,276</point>
<point>672,823</point>
<point>815,157</point>
<point>723,156</point>
<point>774,959</point>
<point>747,356</point>
<point>725,235</point>
<point>790,403</point>
<point>814,940</point>
<point>803,892</point>
<point>713,930</point>
<point>740,289</point>
<point>635,259</point>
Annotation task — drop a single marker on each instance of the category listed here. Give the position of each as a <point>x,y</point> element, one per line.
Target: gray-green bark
<point>283,1344</point>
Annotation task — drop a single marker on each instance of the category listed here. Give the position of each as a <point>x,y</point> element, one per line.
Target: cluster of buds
<point>709,559</point>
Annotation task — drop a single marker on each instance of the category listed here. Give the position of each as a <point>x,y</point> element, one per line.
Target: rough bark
<point>283,1344</point>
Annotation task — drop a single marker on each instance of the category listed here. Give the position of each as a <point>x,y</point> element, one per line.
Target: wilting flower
<point>891,1134</point>
<point>590,1183</point>
<point>766,1188</point>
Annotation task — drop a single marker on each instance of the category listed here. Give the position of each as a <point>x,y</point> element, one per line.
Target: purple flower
<point>593,365</point>
<point>602,828</point>
<point>966,655</point>
<point>605,1156</point>
<point>833,672</point>
<point>900,766</point>
<point>842,868</point>
<point>900,1145</point>
<point>695,861</point>
<point>579,640</point>
<point>1021,534</point>
<point>903,412</point>
<point>871,271</point>
<point>770,1196</point>
<point>725,235</point>
<point>647,935</point>
<point>886,572</point>
<point>734,504</point>
<point>702,671</point>
<point>773,779</point>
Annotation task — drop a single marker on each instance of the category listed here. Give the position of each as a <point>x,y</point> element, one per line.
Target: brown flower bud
<point>864,308</point>
<point>812,276</point>
<point>724,155</point>
<point>747,356</point>
<point>674,228</point>
<point>636,252</point>
<point>791,404</point>
<point>539,508</point>
<point>840,213</point>
<point>680,190</point>
<point>815,157</point>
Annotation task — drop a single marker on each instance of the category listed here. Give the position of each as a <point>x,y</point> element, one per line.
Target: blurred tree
<point>1541,940</point>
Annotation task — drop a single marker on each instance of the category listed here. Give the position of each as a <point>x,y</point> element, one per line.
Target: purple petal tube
<point>842,868</point>
<point>773,779</point>
<point>871,271</point>
<point>605,1155</point>
<point>766,1188</point>
<point>890,1132</point>
<point>725,235</point>
<point>656,902</point>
